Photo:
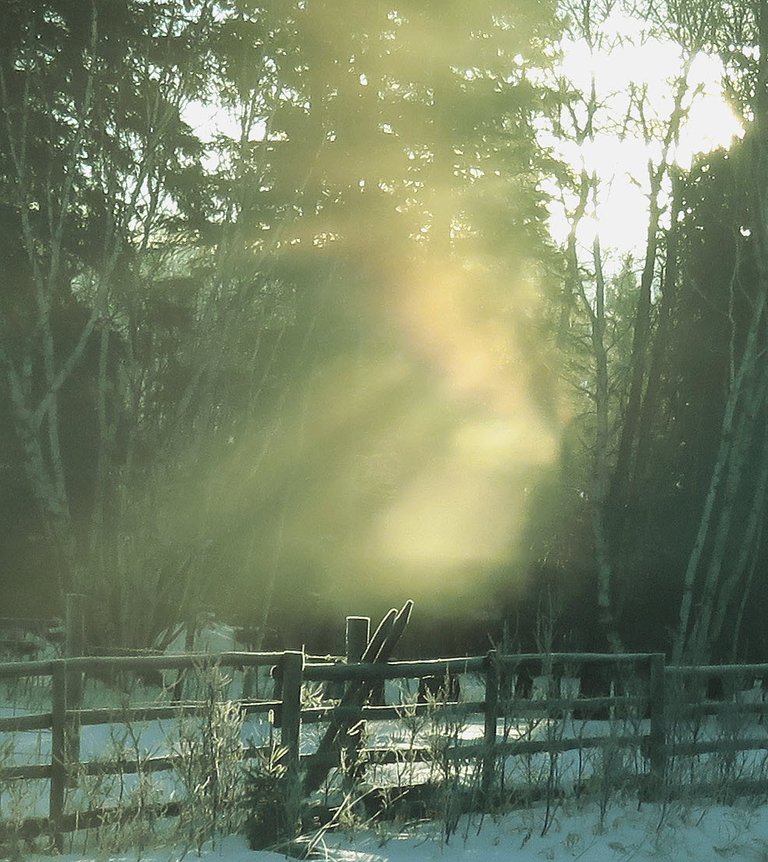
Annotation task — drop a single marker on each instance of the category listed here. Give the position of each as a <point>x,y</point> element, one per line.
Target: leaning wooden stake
<point>358,634</point>
<point>378,651</point>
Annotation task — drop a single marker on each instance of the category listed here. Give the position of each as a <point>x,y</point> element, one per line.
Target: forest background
<point>288,330</point>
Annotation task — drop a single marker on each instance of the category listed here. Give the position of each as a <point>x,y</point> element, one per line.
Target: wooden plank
<point>719,670</point>
<point>111,767</point>
<point>13,723</point>
<point>568,658</point>
<point>109,715</point>
<point>21,669</point>
<point>34,771</point>
<point>113,715</point>
<point>510,748</point>
<point>477,750</point>
<point>91,664</point>
<point>33,827</point>
<point>393,669</point>
<point>722,790</point>
<point>521,707</point>
<point>314,715</point>
<point>95,664</point>
<point>131,767</point>
<point>255,707</point>
<point>717,707</point>
<point>716,746</point>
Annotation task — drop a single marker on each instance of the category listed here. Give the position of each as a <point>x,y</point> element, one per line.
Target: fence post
<point>74,645</point>
<point>491,720</point>
<point>657,740</point>
<point>290,719</point>
<point>357,635</point>
<point>58,751</point>
<point>290,735</point>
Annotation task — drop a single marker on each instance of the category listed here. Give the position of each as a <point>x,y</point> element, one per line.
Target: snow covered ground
<point>622,833</point>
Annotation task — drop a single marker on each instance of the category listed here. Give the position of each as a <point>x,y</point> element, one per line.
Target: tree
<point>91,96</point>
<point>726,481</point>
<point>209,329</point>
<point>609,319</point>
<point>683,512</point>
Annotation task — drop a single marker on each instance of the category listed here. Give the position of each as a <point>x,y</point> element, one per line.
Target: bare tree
<point>711,580</point>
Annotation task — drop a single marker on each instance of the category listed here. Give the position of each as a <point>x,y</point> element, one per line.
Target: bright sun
<point>617,152</point>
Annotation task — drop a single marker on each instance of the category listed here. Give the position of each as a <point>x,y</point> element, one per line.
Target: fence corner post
<point>490,729</point>
<point>657,740</point>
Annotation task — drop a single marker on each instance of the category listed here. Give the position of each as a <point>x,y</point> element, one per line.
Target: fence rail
<point>657,700</point>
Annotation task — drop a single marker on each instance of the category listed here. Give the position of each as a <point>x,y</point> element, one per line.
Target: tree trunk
<point>605,573</point>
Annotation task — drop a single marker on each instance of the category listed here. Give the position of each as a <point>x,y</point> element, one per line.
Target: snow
<point>624,832</point>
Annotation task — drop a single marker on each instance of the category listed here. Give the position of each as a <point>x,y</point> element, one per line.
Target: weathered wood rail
<point>657,698</point>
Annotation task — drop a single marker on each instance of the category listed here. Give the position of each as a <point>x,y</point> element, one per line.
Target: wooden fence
<point>660,697</point>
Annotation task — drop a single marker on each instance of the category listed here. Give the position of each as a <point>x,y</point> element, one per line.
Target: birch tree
<point>725,547</point>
